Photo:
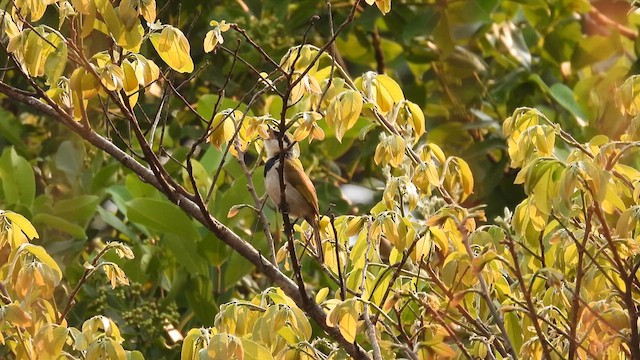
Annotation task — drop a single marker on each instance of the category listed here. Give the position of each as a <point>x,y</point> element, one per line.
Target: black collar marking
<point>269,164</point>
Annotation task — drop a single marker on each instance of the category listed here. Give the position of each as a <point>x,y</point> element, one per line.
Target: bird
<point>300,194</point>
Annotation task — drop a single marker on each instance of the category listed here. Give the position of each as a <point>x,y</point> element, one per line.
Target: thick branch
<point>188,206</point>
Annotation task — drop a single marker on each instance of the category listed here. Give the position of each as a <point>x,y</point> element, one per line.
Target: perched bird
<point>300,194</point>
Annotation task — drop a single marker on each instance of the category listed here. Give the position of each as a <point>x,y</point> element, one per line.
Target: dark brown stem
<point>575,307</point>
<point>377,50</point>
<point>497,316</point>
<point>343,290</point>
<point>529,302</point>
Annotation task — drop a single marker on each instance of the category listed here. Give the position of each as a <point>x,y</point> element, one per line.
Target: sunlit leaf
<point>173,47</point>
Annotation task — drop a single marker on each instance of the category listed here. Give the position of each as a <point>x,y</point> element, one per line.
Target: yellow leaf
<point>146,70</point>
<point>348,325</point>
<point>81,6</point>
<point>417,119</point>
<point>128,14</point>
<point>210,41</point>
<point>22,223</point>
<point>466,177</point>
<point>115,275</point>
<point>173,47</point>
<point>42,255</point>
<point>223,127</point>
<point>195,341</point>
<point>388,93</point>
<point>50,340</point>
<point>322,294</point>
<point>384,6</point>
<point>148,10</point>
<point>16,316</point>
<point>422,249</point>
<point>443,350</point>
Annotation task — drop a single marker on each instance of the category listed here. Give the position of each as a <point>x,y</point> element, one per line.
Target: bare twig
<point>83,279</point>
<point>259,204</point>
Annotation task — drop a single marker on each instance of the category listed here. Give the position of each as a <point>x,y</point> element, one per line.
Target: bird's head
<point>272,144</point>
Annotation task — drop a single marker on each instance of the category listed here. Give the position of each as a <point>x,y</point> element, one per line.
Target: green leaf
<point>139,189</point>
<point>11,131</point>
<point>57,61</point>
<point>161,216</point>
<point>134,355</point>
<point>214,249</point>
<point>116,223</point>
<point>199,293</point>
<point>211,159</point>
<point>61,224</point>
<point>593,49</point>
<point>236,268</point>
<point>564,96</point>
<point>18,180</point>
<point>206,105</point>
<point>79,209</point>
<point>514,330</point>
<point>186,252</point>
<point>70,160</point>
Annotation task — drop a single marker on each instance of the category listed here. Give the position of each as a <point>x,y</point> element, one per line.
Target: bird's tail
<point>315,224</point>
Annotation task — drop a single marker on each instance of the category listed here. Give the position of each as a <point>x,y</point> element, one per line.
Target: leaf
<point>514,330</point>
<point>57,60</point>
<point>235,269</point>
<point>235,209</point>
<point>50,340</point>
<point>593,49</point>
<point>22,223</point>
<point>186,252</point>
<point>512,39</point>
<point>255,351</point>
<point>42,255</point>
<point>18,180</point>
<point>79,209</point>
<point>565,97</point>
<point>161,216</point>
<point>70,159</point>
<point>134,355</point>
<point>322,295</point>
<point>16,316</point>
<point>173,47</point>
<point>444,350</point>
<point>383,281</point>
<point>11,130</point>
<point>115,275</point>
<point>348,323</point>
<point>214,250</point>
<point>61,224</point>
<point>116,223</point>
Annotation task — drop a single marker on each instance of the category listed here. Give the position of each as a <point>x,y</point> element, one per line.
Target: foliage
<point>32,326</point>
<point>526,106</point>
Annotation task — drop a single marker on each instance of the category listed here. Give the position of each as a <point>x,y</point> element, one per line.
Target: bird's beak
<point>272,134</point>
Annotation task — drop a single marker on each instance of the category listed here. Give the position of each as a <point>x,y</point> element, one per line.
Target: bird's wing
<point>301,182</point>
